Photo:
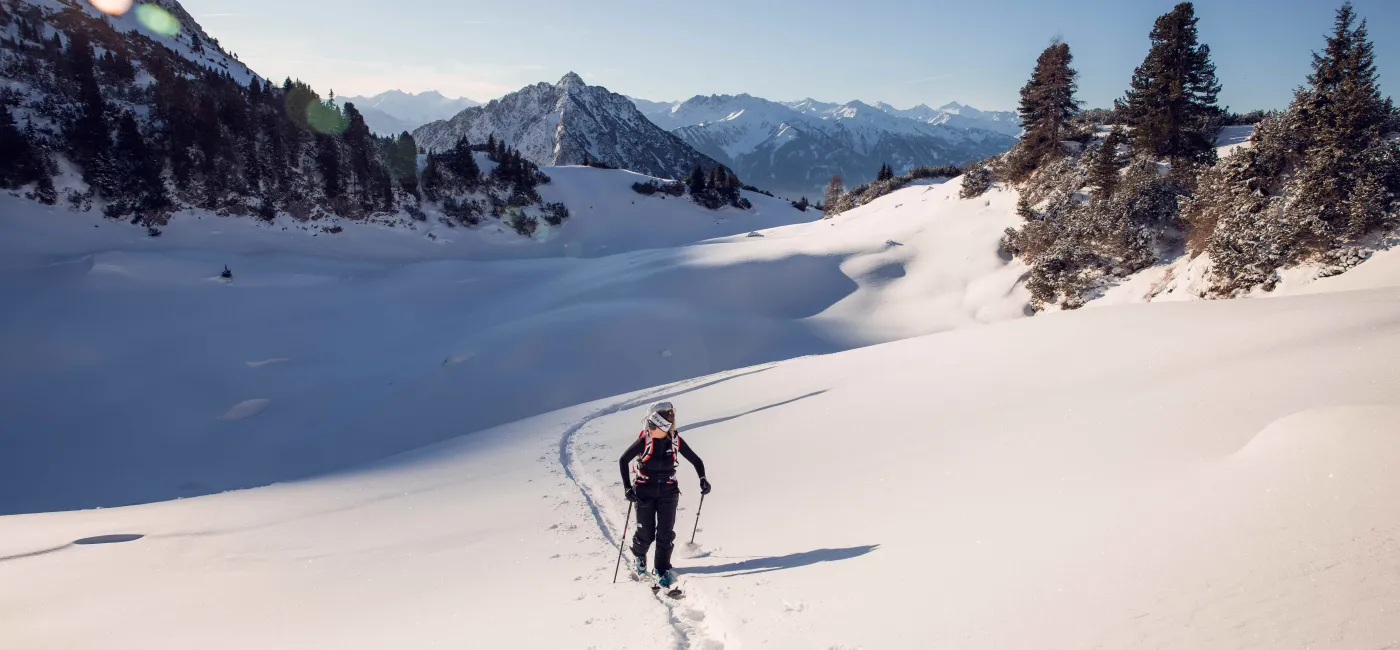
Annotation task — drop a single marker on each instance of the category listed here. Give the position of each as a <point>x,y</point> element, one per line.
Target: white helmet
<point>661,415</point>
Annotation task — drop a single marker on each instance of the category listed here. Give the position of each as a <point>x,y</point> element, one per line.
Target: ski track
<point>687,616</point>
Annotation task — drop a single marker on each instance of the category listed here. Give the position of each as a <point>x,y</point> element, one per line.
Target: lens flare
<point>325,119</point>
<point>111,7</point>
<point>157,20</point>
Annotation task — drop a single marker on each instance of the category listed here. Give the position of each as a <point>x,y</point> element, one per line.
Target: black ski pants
<point>656,521</point>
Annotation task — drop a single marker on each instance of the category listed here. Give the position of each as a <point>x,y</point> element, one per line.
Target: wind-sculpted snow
<point>567,123</point>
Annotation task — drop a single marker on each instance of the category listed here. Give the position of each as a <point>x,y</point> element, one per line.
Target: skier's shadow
<point>779,562</point>
<point>691,427</point>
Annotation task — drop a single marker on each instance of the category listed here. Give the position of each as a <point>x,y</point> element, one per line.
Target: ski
<point>674,591</point>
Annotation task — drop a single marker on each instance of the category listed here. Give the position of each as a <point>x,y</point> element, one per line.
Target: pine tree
<point>141,168</point>
<point>1103,173</point>
<point>1171,103</point>
<point>44,190</point>
<point>403,162</point>
<point>18,164</point>
<point>432,179</point>
<point>1023,210</point>
<point>834,189</point>
<point>359,143</point>
<point>696,181</point>
<point>89,141</point>
<point>328,163</point>
<point>1047,104</point>
<point>1348,171</point>
<point>463,163</point>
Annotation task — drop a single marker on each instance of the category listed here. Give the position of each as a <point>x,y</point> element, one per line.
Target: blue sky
<point>901,51</point>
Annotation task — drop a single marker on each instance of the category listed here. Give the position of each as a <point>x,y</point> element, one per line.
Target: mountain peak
<point>567,123</point>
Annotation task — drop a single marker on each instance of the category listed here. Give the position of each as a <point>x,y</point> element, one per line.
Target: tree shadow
<point>108,539</point>
<point>86,541</point>
<point>706,423</point>
<point>775,563</point>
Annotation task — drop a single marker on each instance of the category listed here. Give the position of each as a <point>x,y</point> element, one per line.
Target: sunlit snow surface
<point>1182,475</point>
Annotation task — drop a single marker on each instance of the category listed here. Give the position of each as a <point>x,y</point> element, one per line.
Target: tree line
<point>183,135</point>
<point>1320,180</point>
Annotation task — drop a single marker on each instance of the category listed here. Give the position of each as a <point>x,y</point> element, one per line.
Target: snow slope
<point>1207,474</point>
<point>139,375</point>
<point>191,42</point>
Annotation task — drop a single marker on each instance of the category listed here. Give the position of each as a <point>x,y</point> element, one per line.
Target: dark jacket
<point>659,466</point>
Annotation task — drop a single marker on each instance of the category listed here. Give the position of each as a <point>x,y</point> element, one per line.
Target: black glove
<point>630,494</point>
<point>704,486</point>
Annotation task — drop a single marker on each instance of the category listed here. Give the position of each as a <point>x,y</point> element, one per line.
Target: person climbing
<point>655,491</point>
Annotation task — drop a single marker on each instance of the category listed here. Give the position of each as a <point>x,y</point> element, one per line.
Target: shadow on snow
<point>778,562</point>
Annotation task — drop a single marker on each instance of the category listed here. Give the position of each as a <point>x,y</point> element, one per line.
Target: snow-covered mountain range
<point>395,111</point>
<point>961,116</point>
<point>795,147</point>
<point>567,123</point>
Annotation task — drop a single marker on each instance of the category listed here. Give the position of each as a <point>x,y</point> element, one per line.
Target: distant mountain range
<point>395,111</point>
<point>792,148</point>
<point>567,123</point>
<point>795,147</point>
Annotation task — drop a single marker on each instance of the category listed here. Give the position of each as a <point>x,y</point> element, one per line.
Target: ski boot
<point>668,583</point>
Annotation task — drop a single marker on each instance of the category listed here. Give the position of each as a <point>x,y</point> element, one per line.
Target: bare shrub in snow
<point>555,213</point>
<point>975,183</point>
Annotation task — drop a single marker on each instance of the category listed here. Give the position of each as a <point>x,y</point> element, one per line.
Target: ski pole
<point>622,542</point>
<point>697,517</point>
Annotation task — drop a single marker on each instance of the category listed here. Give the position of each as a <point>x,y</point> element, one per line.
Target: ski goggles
<point>659,421</point>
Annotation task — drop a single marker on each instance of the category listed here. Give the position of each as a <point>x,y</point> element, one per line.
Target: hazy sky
<point>905,52</point>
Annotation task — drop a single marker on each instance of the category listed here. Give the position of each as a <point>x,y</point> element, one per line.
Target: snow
<point>1232,138</point>
<point>347,335</point>
<point>899,459</point>
<point>210,56</point>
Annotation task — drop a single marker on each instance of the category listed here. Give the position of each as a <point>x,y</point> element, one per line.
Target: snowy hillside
<point>794,149</point>
<point>1227,485</point>
<point>395,111</point>
<point>567,123</point>
<point>170,25</point>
